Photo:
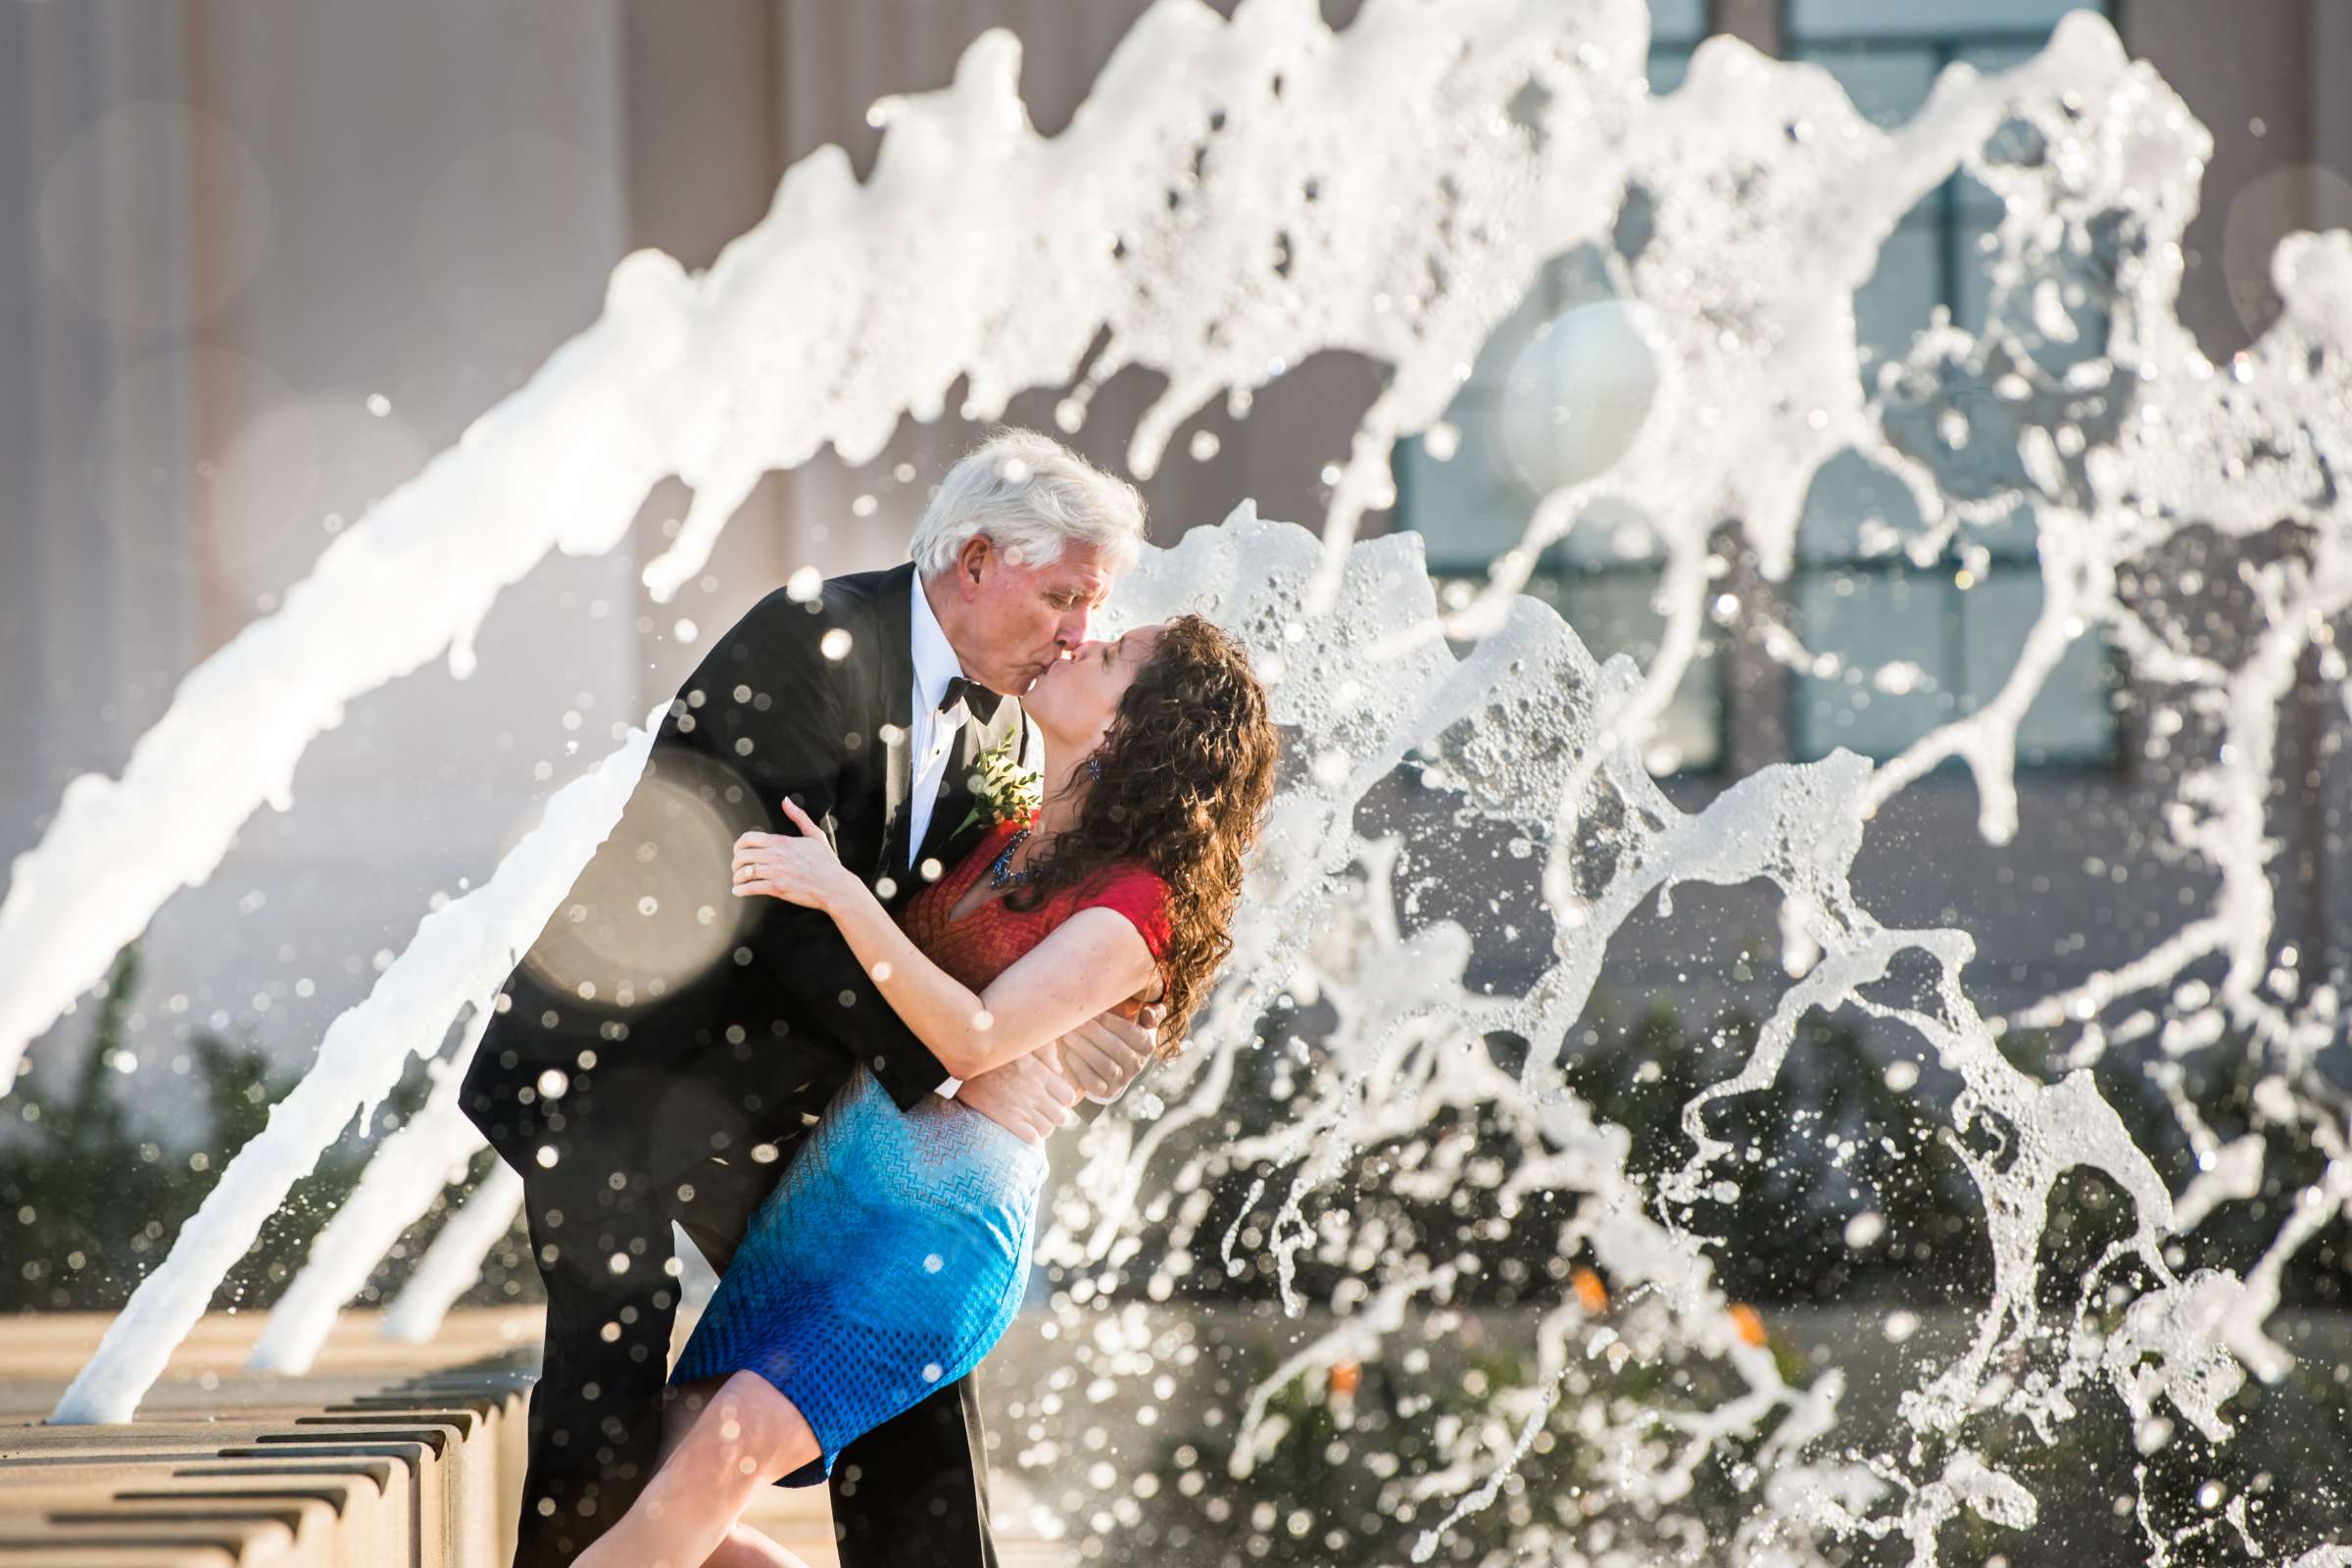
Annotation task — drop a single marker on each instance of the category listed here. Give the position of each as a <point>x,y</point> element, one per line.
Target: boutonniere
<point>1002,790</point>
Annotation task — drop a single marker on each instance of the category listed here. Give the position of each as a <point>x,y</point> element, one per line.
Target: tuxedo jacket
<point>686,1022</point>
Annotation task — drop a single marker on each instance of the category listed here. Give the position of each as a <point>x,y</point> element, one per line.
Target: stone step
<point>340,1512</point>
<point>385,1455</point>
<point>430,1481</point>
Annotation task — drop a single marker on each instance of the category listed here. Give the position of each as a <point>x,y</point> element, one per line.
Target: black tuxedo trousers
<point>640,1074</point>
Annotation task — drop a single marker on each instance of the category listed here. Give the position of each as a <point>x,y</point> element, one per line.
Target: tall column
<point>96,579</point>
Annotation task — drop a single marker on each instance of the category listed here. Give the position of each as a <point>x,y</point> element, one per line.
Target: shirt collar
<point>935,660</point>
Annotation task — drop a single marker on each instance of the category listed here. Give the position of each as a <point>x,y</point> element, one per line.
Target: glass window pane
<point>1887,83</point>
<point>1976,199</point>
<point>1964,642</point>
<point>1992,58</point>
<point>1677,21</point>
<point>1894,306</point>
<point>1574,277</point>
<point>1969,233</point>
<point>1855,510</point>
<point>2072,718</point>
<point>1668,66</point>
<point>1501,350</point>
<point>1476,502</point>
<point>2089,316</point>
<point>1465,509</point>
<point>1613,614</point>
<point>1891,631</point>
<point>1918,17</point>
<point>2009,538</point>
<point>1610,534</point>
<point>1580,277</point>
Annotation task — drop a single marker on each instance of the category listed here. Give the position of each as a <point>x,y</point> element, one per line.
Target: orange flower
<point>1345,1377</point>
<point>1590,1294</point>
<point>1748,1321</point>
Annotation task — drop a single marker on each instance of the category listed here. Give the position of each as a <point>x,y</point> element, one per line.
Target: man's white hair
<point>1032,498</point>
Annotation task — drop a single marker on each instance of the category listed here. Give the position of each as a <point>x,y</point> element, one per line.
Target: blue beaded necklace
<point>1001,874</point>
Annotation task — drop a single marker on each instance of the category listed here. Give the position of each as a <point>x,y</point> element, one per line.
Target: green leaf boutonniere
<point>1002,790</point>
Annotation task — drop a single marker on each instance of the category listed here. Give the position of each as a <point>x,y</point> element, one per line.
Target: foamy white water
<point>1393,189</point>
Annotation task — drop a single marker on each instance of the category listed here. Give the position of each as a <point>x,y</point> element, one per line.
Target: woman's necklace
<point>1001,874</point>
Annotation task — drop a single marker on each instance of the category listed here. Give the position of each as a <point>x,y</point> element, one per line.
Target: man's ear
<point>972,561</point>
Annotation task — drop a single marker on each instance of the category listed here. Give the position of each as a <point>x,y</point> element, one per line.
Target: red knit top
<point>985,943</point>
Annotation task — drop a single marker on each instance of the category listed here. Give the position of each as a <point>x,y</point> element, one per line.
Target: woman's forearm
<point>1087,966</point>
<point>941,1009</point>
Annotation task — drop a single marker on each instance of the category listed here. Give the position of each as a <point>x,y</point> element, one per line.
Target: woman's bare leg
<point>746,1548</point>
<point>745,1435</point>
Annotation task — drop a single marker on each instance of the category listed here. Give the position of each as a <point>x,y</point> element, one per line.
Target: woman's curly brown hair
<point>1187,768</point>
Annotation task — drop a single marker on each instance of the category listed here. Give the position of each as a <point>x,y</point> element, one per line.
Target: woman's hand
<point>799,868</point>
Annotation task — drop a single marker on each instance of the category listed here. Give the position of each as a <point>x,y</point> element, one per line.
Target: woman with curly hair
<point>892,1254</point>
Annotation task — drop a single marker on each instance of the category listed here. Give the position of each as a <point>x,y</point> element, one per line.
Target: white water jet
<point>400,1183</point>
<point>453,1261</point>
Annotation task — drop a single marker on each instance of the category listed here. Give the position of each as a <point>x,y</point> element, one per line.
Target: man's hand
<point>1102,1057</point>
<point>1025,1096</point>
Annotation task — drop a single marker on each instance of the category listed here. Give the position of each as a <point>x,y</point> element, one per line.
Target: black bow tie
<point>977,698</point>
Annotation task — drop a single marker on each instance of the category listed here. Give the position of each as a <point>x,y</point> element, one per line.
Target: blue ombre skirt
<point>886,1264</point>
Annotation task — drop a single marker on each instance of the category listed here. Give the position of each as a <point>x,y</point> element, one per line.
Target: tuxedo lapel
<point>896,604</point>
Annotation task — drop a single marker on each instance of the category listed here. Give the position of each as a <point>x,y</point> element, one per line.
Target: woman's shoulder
<point>1128,878</point>
<point>1133,890</point>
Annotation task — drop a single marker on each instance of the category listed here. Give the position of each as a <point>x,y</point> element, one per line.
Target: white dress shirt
<point>934,733</point>
<point>932,736</point>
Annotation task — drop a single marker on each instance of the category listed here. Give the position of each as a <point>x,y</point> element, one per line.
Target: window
<point>1675,28</point>
<point>1900,647</point>
<point>1475,502</point>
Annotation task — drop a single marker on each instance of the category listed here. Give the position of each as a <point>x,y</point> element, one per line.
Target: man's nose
<point>1074,629</point>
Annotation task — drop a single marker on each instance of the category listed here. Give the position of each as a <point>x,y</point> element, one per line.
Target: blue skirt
<point>886,1264</point>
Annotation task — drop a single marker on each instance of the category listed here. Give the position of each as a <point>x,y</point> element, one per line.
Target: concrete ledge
<point>385,1455</point>
<point>396,1457</point>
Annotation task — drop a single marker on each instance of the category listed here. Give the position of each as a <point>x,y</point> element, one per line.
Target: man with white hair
<point>630,1095</point>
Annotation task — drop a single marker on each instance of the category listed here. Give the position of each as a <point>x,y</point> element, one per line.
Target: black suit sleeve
<point>782,714</point>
